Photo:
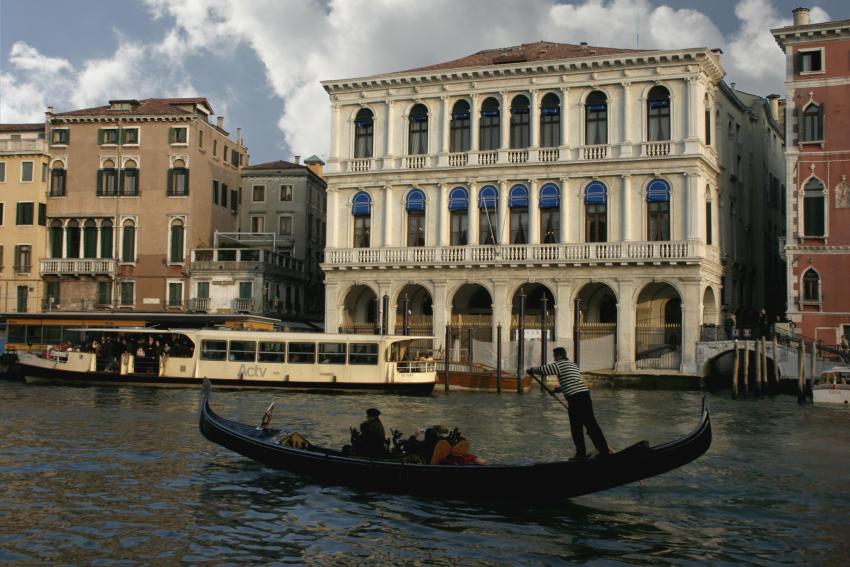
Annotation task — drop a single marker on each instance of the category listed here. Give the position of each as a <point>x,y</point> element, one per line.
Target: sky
<point>259,62</point>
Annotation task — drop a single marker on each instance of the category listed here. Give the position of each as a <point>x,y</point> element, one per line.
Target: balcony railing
<point>594,152</point>
<point>656,149</point>
<point>458,159</point>
<point>199,304</point>
<point>686,251</point>
<point>243,305</point>
<point>488,158</point>
<point>414,162</point>
<point>517,156</point>
<point>358,165</point>
<point>242,259</point>
<point>548,154</point>
<point>78,266</point>
<point>12,146</point>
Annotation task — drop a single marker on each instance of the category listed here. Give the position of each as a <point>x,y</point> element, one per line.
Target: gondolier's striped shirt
<point>569,376</point>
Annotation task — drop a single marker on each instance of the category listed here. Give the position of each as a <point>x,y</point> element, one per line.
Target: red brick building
<point>818,175</point>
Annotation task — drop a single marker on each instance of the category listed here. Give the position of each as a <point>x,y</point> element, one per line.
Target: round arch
<point>710,312</point>
<point>658,326</point>
<point>360,309</point>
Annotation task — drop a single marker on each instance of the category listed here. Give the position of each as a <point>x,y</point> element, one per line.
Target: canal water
<point>122,476</point>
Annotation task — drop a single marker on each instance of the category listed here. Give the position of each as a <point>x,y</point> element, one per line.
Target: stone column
<point>564,314</point>
<point>333,227</point>
<point>443,226</point>
<point>505,121</point>
<point>690,206</point>
<point>534,119</point>
<point>627,116</point>
<point>502,314</point>
<point>504,216</point>
<point>385,288</point>
<point>692,108</point>
<point>690,325</point>
<point>533,212</point>
<point>333,310</point>
<point>446,123</point>
<point>473,213</point>
<point>389,147</point>
<point>565,211</point>
<point>335,133</point>
<point>625,326</point>
<point>441,308</point>
<point>475,124</point>
<point>387,216</point>
<point>626,208</point>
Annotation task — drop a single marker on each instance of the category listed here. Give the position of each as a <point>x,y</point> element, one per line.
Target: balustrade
<point>414,162</point>
<point>77,266</point>
<point>488,158</point>
<point>517,156</point>
<point>547,155</point>
<point>656,149</point>
<point>458,159</point>
<point>359,165</point>
<point>594,152</point>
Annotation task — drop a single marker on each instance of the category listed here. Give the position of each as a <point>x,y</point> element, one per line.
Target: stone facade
<point>23,190</point>
<point>134,186</point>
<point>818,172</point>
<point>456,190</point>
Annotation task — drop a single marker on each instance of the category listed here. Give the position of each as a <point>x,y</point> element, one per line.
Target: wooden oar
<point>551,391</point>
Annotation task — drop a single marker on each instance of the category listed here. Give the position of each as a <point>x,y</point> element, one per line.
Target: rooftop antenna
<point>637,29</point>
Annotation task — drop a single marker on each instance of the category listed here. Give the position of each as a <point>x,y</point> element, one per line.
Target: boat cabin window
<point>363,353</point>
<point>302,353</point>
<point>271,352</point>
<point>17,334</point>
<point>242,351</point>
<point>213,350</point>
<point>331,353</point>
<point>52,335</point>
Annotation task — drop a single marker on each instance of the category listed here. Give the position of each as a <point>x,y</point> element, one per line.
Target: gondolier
<point>572,386</point>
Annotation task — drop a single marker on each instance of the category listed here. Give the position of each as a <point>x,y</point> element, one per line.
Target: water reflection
<point>122,475</point>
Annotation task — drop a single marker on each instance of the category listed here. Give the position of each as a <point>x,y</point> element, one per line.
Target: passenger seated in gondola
<point>372,441</point>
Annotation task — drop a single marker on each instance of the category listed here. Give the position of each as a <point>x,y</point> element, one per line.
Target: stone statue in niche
<point>842,195</point>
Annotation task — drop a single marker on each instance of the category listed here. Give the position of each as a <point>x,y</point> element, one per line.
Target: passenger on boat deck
<point>572,386</point>
<point>372,440</point>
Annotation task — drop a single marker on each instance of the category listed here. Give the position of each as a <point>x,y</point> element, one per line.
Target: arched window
<point>518,203</point>
<point>176,237</point>
<point>361,208</point>
<point>89,239</point>
<point>658,210</point>
<point>550,121</point>
<point>520,123</point>
<point>418,132</point>
<point>813,123</point>
<point>459,212</point>
<point>550,210</point>
<point>178,179</point>
<point>58,180</point>
<point>460,127</point>
<point>415,207</point>
<point>814,202</point>
<point>72,239</point>
<point>56,233</point>
<point>658,114</point>
<point>707,104</point>
<point>489,125</point>
<point>596,212</point>
<point>709,219</point>
<point>107,181</point>
<point>811,286</point>
<point>596,119</point>
<point>128,241</point>
<point>130,179</point>
<point>363,133</point>
<point>488,215</point>
<point>106,239</point>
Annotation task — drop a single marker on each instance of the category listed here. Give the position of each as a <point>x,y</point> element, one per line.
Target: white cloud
<point>300,42</point>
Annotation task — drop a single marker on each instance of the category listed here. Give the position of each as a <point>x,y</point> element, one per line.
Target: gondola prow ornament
<point>267,417</point>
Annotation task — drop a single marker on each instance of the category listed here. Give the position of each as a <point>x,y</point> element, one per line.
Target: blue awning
<point>659,103</point>
<point>458,199</point>
<point>596,193</point>
<point>361,204</point>
<point>597,107</point>
<point>518,197</point>
<point>520,110</point>
<point>489,113</point>
<point>488,198</point>
<point>415,200</point>
<point>550,110</point>
<point>363,123</point>
<point>418,117</point>
<point>658,191</point>
<point>460,115</point>
<point>550,196</point>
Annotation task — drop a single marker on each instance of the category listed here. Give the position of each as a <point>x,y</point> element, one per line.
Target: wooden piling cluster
<point>761,381</point>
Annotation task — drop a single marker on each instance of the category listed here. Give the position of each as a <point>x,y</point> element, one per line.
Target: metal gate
<point>658,347</point>
<point>598,345</point>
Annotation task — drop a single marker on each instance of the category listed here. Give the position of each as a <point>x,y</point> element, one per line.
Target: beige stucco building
<point>134,186</point>
<point>549,171</point>
<point>23,196</point>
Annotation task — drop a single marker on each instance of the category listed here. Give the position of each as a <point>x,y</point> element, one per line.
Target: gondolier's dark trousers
<point>581,417</point>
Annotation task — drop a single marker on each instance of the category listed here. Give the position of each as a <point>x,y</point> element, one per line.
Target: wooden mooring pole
<point>746,367</point>
<point>764,365</point>
<point>811,381</point>
<point>735,371</point>
<point>448,357</point>
<point>544,335</point>
<point>775,360</point>
<point>499,358</point>
<point>801,372</point>
<point>520,343</point>
<point>757,385</point>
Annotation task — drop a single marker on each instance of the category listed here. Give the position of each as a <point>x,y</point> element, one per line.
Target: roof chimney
<point>219,122</point>
<point>315,165</point>
<point>801,16</point>
<point>773,105</point>
<point>239,136</point>
<point>50,110</point>
<point>296,159</point>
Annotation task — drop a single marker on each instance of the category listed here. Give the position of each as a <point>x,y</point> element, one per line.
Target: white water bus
<point>833,386</point>
<point>240,359</point>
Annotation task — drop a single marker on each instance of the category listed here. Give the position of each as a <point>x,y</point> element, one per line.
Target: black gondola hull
<point>563,479</point>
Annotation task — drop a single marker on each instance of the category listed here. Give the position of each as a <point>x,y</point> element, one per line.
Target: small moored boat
<point>563,479</point>
<point>833,386</point>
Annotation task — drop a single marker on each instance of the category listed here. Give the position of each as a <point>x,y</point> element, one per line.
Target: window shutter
<point>172,135</point>
<point>19,214</point>
<point>138,175</point>
<point>100,136</point>
<point>121,181</point>
<point>186,181</point>
<point>170,181</point>
<point>42,214</point>
<point>100,182</point>
<point>122,137</point>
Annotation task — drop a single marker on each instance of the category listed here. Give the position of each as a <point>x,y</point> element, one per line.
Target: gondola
<point>563,479</point>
